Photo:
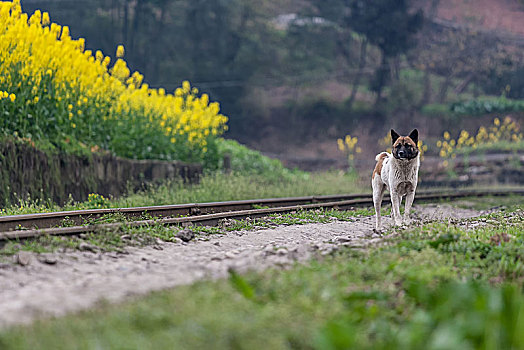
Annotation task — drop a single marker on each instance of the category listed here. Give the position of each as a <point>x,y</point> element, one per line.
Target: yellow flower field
<point>501,134</point>
<point>60,92</point>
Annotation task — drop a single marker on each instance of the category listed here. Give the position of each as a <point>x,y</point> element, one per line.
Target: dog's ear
<point>414,136</point>
<point>394,136</point>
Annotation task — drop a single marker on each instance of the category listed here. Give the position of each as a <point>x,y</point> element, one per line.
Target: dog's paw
<point>398,222</point>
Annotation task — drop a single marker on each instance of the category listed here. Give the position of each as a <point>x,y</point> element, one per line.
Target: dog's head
<point>405,147</point>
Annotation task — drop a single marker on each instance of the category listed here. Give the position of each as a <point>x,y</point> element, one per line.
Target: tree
<point>464,55</point>
<point>390,26</point>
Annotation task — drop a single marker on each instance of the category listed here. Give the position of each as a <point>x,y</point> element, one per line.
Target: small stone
<point>269,250</point>
<point>23,258</point>
<point>230,255</point>
<point>186,235</point>
<point>281,251</point>
<point>217,244</point>
<point>87,247</point>
<point>50,260</point>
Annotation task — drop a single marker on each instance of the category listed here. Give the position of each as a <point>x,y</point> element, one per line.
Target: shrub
<point>248,161</point>
<point>487,105</point>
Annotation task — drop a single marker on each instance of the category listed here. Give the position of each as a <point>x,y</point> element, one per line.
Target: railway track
<point>83,221</point>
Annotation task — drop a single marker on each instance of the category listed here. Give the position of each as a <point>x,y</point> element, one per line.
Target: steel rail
<point>78,217</point>
<point>215,217</point>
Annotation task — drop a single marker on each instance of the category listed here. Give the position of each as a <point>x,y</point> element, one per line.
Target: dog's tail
<point>381,155</point>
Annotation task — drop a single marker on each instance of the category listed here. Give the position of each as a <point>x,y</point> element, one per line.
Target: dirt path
<point>54,284</point>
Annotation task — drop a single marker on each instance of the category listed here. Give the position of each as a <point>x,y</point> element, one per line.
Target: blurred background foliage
<point>291,70</point>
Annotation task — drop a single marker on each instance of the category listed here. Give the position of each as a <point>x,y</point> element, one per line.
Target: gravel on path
<point>53,284</point>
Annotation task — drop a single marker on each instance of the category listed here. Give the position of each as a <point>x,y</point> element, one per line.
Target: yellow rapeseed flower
<point>35,49</point>
<point>341,146</point>
<point>120,51</point>
<point>45,19</point>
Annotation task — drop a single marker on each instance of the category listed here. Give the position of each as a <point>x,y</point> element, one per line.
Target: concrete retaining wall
<point>28,172</point>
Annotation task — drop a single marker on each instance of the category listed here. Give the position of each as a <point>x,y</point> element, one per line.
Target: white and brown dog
<point>398,173</point>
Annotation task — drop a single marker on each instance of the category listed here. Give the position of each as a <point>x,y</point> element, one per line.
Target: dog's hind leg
<point>410,196</point>
<point>378,196</point>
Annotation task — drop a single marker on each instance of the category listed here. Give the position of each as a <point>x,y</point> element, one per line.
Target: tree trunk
<point>358,77</point>
<point>395,68</point>
<point>444,89</point>
<point>125,25</point>
<point>381,76</point>
<point>426,95</point>
<point>156,41</point>
<point>433,10</point>
<point>134,27</point>
<point>464,84</point>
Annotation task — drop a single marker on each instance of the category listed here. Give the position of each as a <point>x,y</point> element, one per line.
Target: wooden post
<point>227,163</point>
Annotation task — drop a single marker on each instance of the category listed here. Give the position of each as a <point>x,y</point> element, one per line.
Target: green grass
<point>436,286</point>
<point>490,202</point>
<point>487,104</point>
<point>212,188</point>
<point>503,145</point>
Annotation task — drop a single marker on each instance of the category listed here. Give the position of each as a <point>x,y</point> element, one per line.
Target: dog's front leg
<point>395,208</point>
<point>410,196</point>
<point>378,195</point>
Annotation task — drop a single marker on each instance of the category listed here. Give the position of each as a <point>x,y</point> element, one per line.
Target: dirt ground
<point>55,284</point>
<point>498,15</point>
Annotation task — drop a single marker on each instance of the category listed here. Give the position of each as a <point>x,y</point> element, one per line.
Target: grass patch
<point>490,202</point>
<point>436,286</point>
<point>212,188</point>
<point>294,218</point>
<point>492,147</point>
<point>218,187</point>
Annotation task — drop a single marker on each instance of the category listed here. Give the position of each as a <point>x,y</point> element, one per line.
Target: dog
<point>396,172</point>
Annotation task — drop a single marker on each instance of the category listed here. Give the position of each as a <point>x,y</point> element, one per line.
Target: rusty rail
<point>211,213</point>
